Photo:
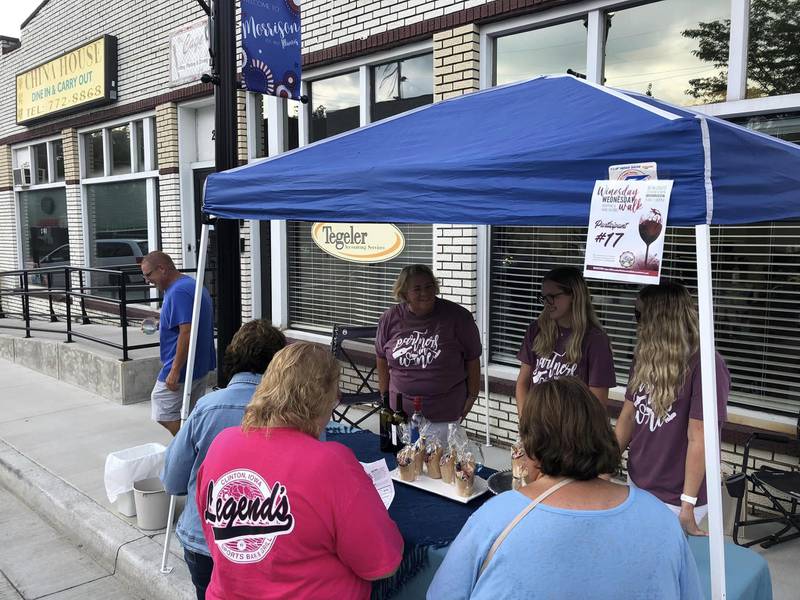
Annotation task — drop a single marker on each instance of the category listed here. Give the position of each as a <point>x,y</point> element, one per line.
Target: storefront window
<point>58,159</point>
<point>118,234</point>
<point>120,150</point>
<point>43,220</point>
<point>93,154</point>
<point>550,50</point>
<point>324,290</point>
<point>117,211</point>
<point>674,50</point>
<point>785,126</point>
<point>292,129</point>
<point>756,285</point>
<point>334,105</point>
<point>401,85</point>
<point>773,53</point>
<point>41,172</point>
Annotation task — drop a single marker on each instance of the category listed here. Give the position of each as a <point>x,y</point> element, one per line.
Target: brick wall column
<point>456,62</point>
<point>75,217</point>
<point>456,56</point>
<point>169,193</point>
<point>8,221</point>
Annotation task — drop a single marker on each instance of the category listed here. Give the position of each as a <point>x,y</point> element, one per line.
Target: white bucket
<point>152,503</point>
<point>126,505</point>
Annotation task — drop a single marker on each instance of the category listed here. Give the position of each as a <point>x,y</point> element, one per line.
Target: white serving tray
<point>440,488</point>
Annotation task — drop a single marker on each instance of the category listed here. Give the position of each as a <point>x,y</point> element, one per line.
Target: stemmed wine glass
<point>650,227</point>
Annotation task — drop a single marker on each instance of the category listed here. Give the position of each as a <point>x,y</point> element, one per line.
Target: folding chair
<point>366,394</point>
<point>781,487</point>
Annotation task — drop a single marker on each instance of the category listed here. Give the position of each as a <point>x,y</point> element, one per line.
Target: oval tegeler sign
<point>359,242</point>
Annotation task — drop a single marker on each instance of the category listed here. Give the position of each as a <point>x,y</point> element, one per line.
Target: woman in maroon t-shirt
<point>566,339</point>
<point>428,347</point>
<point>662,418</point>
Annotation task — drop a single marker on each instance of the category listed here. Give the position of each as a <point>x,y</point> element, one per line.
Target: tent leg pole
<point>484,236</point>
<point>710,415</point>
<point>187,383</point>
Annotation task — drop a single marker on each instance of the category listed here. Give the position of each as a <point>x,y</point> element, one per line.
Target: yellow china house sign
<point>359,242</point>
<point>79,79</point>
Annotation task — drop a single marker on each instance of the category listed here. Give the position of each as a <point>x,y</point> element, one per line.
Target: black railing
<point>117,296</point>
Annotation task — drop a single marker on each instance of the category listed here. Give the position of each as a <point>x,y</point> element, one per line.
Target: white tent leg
<point>187,384</point>
<point>710,416</point>
<point>484,245</point>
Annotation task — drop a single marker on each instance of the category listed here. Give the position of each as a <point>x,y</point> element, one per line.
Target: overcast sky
<point>14,13</point>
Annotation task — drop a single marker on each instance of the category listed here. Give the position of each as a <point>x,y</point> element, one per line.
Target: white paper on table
<point>379,473</point>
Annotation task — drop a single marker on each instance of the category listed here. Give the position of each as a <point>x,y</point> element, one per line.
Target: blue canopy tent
<point>529,153</point>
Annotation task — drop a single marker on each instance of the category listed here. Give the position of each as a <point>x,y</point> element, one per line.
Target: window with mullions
<point>401,85</point>
<point>324,290</point>
<point>674,50</point>
<point>549,50</point>
<point>756,271</point>
<point>773,51</point>
<point>334,105</point>
<point>43,222</point>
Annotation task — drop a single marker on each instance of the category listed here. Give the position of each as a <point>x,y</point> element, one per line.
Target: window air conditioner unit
<point>22,176</point>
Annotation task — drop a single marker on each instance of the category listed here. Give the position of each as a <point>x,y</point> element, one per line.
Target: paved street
<point>36,561</point>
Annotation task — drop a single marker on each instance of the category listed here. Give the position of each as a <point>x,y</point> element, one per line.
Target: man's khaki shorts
<point>166,405</point>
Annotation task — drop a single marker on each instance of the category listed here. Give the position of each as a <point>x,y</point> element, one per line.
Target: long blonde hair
<point>667,337</point>
<point>300,385</point>
<point>571,281</point>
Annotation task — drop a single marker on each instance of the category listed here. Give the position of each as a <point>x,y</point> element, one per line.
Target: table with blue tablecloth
<point>429,524</point>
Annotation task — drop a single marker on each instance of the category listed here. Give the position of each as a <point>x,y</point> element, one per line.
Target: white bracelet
<point>690,499</point>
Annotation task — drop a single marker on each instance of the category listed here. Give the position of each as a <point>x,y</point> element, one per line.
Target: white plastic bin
<point>152,504</point>
<point>126,505</point>
<point>125,467</point>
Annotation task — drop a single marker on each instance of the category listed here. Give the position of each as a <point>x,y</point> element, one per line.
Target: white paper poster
<point>633,172</point>
<point>627,223</point>
<point>381,479</point>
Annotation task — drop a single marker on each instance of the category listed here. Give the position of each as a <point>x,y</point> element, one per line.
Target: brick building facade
<point>367,59</point>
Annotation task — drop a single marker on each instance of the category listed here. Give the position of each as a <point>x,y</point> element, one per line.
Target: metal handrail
<point>67,293</point>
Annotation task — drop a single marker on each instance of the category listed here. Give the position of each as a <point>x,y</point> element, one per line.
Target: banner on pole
<point>271,45</point>
<point>627,225</point>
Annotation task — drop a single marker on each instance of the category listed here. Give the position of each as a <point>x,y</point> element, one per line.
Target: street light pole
<point>229,281</point>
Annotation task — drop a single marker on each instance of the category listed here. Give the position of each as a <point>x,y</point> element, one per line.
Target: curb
<point>115,545</point>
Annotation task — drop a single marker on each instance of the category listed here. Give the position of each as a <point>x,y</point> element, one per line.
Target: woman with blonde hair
<point>430,348</point>
<point>566,339</point>
<point>285,515</point>
<point>662,419</point>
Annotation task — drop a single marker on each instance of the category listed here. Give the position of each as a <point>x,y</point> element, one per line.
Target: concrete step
<point>85,364</point>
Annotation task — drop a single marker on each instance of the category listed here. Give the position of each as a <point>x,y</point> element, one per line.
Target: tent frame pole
<point>708,371</point>
<point>187,382</point>
<point>484,245</point>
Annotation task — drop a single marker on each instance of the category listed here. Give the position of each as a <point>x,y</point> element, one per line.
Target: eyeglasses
<point>550,298</point>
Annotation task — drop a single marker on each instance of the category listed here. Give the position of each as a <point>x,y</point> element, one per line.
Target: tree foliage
<point>773,51</point>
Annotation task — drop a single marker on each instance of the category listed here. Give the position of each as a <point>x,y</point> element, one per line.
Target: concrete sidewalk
<point>54,439</point>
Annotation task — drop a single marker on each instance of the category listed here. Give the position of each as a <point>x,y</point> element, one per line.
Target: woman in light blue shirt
<point>587,538</point>
<point>246,359</point>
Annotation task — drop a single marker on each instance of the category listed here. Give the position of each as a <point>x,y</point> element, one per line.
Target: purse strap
<point>501,538</point>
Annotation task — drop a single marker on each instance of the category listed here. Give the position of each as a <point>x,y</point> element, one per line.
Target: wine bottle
<point>417,420</point>
<point>388,429</point>
<point>400,418</point>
